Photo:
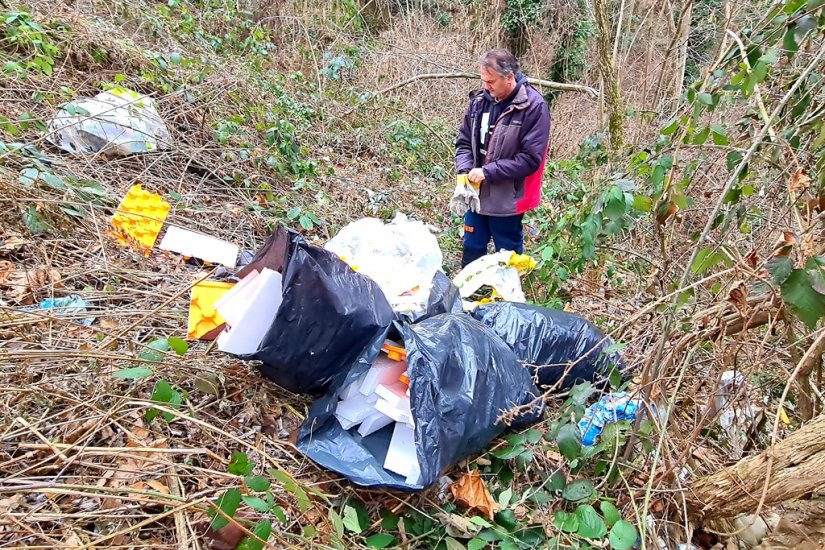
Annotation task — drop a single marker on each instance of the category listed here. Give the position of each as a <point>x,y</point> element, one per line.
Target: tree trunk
<point>610,81</point>
<point>798,470</point>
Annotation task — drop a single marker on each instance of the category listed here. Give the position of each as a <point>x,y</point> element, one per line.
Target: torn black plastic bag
<point>553,339</point>
<point>462,378</point>
<point>329,314</point>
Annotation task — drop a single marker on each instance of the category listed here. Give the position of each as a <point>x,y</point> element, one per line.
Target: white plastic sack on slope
<point>116,122</point>
<point>493,270</point>
<point>401,256</point>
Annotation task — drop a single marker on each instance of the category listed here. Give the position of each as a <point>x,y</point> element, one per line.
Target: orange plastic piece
<point>140,217</point>
<point>394,352</point>
<point>405,379</point>
<point>203,317</point>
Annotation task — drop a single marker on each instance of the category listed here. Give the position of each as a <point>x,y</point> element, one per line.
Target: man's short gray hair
<point>500,61</point>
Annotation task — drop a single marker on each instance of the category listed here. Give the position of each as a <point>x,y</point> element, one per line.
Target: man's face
<point>496,85</point>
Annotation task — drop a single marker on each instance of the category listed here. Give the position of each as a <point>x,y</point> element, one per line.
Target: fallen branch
<point>795,466</point>
<point>592,92</point>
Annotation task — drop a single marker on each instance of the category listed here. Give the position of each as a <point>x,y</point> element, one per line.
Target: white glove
<point>465,196</point>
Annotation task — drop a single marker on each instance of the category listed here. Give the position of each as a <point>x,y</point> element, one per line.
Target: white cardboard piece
<point>246,334</point>
<point>198,245</point>
<point>401,456</point>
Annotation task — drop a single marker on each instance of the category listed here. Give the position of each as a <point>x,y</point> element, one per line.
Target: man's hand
<point>476,176</point>
<point>465,196</point>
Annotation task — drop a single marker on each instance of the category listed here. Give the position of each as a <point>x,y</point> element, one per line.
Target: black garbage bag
<point>462,378</point>
<point>329,314</point>
<point>552,339</point>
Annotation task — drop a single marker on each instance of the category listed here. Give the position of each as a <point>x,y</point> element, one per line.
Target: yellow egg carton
<point>140,217</point>
<point>203,317</point>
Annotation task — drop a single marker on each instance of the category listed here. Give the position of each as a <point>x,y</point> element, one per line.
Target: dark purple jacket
<point>516,152</point>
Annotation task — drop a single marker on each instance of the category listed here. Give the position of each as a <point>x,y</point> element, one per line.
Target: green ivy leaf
<point>351,521</point>
<point>256,503</point>
<point>702,137</point>
<point>569,523</point>
<point>262,530</point>
<point>154,350</point>
<point>733,159</point>
<point>132,373</point>
<point>163,393</point>
<point>580,393</point>
<point>306,222</point>
<point>770,56</point>
<point>476,544</point>
<point>803,301</point>
<point>337,522</point>
<point>509,452</point>
<point>780,268</point>
<point>705,98</point>
<point>28,176</point>
<point>35,221</point>
<point>671,127</point>
<point>179,346</point>
<point>381,540</point>
<point>623,535</point>
<point>591,525</point>
<point>257,483</point>
<point>52,180</point>
<point>610,512</point>
<point>291,486</point>
<point>569,441</point>
<point>707,258</point>
<point>239,465</point>
<point>642,203</point>
<point>228,504</point>
<point>579,490</point>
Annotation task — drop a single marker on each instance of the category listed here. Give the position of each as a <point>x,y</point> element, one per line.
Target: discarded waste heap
<point>416,371</point>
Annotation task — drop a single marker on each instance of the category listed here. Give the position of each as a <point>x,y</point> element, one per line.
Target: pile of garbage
<point>413,371</point>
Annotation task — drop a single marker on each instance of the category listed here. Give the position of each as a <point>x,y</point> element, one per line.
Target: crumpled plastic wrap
<point>117,122</point>
<point>401,256</point>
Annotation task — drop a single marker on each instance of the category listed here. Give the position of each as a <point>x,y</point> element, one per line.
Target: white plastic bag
<point>493,270</point>
<point>116,122</point>
<point>401,256</point>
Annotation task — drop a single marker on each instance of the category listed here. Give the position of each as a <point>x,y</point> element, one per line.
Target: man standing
<point>500,154</point>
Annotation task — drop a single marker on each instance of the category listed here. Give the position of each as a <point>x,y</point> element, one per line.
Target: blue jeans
<point>505,231</point>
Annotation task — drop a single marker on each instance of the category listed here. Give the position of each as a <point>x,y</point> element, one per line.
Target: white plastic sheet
<point>116,122</point>
<point>401,256</point>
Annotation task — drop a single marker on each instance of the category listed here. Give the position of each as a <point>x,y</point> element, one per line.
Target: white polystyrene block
<point>394,393</point>
<point>373,423</point>
<point>401,456</point>
<point>246,334</point>
<point>414,477</point>
<point>232,305</point>
<point>352,389</point>
<point>355,409</point>
<point>198,245</point>
<point>345,423</point>
<point>388,409</point>
<point>382,371</point>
